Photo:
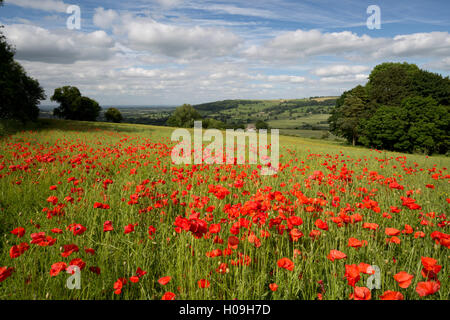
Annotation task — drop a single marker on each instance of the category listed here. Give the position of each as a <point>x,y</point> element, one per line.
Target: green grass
<point>110,151</point>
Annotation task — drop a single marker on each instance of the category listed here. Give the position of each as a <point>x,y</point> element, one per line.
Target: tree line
<point>401,108</point>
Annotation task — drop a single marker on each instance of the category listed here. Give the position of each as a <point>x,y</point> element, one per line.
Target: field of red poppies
<point>334,223</point>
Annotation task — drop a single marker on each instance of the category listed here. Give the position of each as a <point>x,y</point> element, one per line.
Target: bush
<point>73,106</point>
<point>183,117</point>
<point>261,125</point>
<point>113,115</point>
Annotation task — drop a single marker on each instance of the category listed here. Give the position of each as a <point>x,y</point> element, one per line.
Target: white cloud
<point>178,41</point>
<point>339,70</point>
<point>300,44</point>
<point>417,45</point>
<point>286,78</point>
<point>45,5</point>
<point>38,44</point>
<point>105,18</point>
<point>359,78</point>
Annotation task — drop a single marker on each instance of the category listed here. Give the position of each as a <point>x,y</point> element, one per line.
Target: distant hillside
<point>218,106</point>
<point>301,117</point>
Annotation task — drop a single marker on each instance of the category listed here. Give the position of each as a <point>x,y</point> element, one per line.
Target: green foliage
<point>73,106</point>
<point>401,108</point>
<point>261,125</point>
<point>222,105</point>
<point>389,82</point>
<point>350,108</point>
<point>418,125</point>
<point>184,117</point>
<point>213,124</point>
<point>113,115</point>
<point>19,93</point>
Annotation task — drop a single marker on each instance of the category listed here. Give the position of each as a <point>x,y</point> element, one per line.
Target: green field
<point>218,231</point>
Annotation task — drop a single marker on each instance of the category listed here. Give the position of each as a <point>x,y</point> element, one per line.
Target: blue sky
<point>170,52</point>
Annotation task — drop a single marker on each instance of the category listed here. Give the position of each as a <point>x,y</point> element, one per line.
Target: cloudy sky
<point>169,52</point>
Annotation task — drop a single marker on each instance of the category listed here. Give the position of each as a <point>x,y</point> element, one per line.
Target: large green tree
<point>184,117</point>
<point>400,108</point>
<point>74,106</point>
<point>418,125</point>
<point>19,93</point>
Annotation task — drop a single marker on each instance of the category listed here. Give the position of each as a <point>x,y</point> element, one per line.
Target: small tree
<point>113,115</point>
<point>73,106</point>
<point>260,124</point>
<point>184,117</point>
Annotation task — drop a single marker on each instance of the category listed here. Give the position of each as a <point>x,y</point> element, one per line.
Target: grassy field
<point>106,198</point>
<point>305,118</point>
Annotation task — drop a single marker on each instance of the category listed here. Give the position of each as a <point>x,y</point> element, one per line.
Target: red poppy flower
<point>78,262</point>
<point>321,224</point>
<point>365,268</point>
<point>42,240</point>
<point>408,229</point>
<point>314,234</point>
<point>214,228</point>
<point>233,242</point>
<point>203,283</point>
<point>77,229</point>
<point>118,285</point>
<point>430,264</point>
<point>404,279</point>
<point>355,243</point>
<point>419,234</point>
<point>430,268</point>
<point>53,200</point>
<point>392,232</point>
<point>129,228</point>
<point>19,232</point>
<point>151,231</point>
<point>89,251</point>
<point>294,221</point>
<point>107,226</point>
<point>168,296</point>
<point>295,234</point>
<point>18,250</point>
<point>5,272</point>
<point>370,226</point>
<point>336,255</point>
<point>223,268</point>
<point>352,274</point>
<point>140,273</point>
<point>391,295</point>
<point>427,288</point>
<point>164,280</point>
<point>286,263</point>
<point>57,268</point>
<point>69,249</point>
<point>214,253</point>
<point>273,287</point>
<point>361,293</point>
<point>394,239</point>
